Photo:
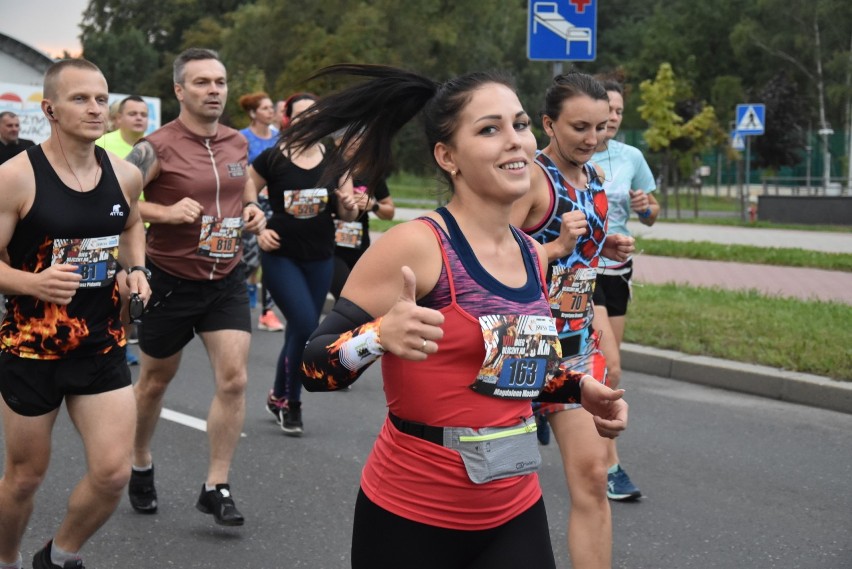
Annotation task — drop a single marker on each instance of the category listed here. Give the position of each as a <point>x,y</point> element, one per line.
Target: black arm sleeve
<point>341,348</point>
<point>563,387</point>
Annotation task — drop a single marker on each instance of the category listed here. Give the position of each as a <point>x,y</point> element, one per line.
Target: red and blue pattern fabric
<point>592,201</point>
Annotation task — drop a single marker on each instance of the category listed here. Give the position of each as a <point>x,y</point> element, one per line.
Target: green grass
<point>745,254</point>
<point>809,337</point>
<point>705,203</point>
<point>382,225</point>
<point>406,187</point>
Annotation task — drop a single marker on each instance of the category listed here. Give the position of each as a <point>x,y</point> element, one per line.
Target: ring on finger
<point>423,346</point>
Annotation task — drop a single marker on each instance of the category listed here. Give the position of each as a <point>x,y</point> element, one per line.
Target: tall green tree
<point>802,37</point>
<point>138,58</point>
<point>783,141</point>
<point>725,52</point>
<point>135,41</point>
<point>680,140</point>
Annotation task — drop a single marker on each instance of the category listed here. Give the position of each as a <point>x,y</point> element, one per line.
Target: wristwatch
<point>145,271</point>
<point>375,205</point>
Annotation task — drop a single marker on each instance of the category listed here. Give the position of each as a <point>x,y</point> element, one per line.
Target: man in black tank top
<point>68,223</point>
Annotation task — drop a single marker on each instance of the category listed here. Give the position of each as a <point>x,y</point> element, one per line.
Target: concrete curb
<point>764,381</point>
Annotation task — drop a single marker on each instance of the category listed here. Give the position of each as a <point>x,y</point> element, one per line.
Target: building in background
<point>21,77</point>
<point>20,63</point>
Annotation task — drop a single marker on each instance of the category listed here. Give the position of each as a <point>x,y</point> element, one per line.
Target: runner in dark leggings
<point>353,237</point>
<point>298,252</point>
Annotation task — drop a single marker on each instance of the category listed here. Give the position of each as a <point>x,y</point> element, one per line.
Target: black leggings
<point>382,540</point>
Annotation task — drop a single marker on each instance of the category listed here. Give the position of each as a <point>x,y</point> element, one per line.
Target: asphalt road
<point>731,481</point>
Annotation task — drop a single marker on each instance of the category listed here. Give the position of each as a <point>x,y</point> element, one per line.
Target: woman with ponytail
<point>297,249</point>
<point>455,301</point>
<point>566,211</point>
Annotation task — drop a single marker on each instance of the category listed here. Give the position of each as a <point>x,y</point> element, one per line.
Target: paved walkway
<point>806,284</point>
<point>792,282</point>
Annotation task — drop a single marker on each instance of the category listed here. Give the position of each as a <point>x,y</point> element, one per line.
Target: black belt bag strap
<point>490,453</point>
<point>426,432</point>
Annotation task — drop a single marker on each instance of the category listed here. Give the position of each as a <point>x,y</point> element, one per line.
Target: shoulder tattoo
<point>143,156</point>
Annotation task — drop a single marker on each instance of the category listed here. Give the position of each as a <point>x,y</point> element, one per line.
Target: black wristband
<point>255,204</point>
<point>145,271</point>
<point>375,207</point>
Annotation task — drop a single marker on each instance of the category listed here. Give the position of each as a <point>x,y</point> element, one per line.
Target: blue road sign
<point>751,119</point>
<point>563,30</point>
<point>737,140</point>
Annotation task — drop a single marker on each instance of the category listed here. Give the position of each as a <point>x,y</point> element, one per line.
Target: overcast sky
<point>50,26</point>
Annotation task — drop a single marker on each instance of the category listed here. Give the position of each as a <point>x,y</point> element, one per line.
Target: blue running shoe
<point>252,294</point>
<point>542,430</point>
<point>132,360</point>
<point>620,488</point>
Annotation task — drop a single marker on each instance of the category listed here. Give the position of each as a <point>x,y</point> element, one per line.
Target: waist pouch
<point>490,453</point>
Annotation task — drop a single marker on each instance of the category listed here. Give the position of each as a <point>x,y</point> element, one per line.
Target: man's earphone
<point>50,112</point>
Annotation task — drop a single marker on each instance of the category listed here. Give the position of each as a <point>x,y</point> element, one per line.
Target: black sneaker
<point>277,407</point>
<point>143,495</point>
<point>41,560</point>
<point>292,425</point>
<point>220,503</point>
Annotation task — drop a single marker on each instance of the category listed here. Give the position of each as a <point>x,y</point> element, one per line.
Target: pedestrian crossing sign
<point>737,141</point>
<point>751,119</point>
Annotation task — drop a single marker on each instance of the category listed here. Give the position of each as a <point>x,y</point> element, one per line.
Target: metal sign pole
<point>746,191</point>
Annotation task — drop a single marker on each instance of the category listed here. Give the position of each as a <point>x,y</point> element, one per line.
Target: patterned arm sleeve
<point>344,345</point>
<point>563,387</point>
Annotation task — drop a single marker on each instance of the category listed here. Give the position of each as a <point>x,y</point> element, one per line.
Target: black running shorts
<point>36,387</point>
<point>613,291</point>
<point>179,309</point>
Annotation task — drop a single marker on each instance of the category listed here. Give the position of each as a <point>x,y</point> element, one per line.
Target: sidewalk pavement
<point>792,282</point>
<point>825,241</point>
<point>806,284</point>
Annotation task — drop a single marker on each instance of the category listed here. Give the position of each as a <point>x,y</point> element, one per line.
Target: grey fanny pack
<point>490,453</point>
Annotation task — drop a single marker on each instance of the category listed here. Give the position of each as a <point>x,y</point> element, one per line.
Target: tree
<point>820,27</point>
<point>722,50</point>
<point>783,140</point>
<point>727,92</point>
<point>125,58</point>
<point>680,139</point>
<point>123,37</point>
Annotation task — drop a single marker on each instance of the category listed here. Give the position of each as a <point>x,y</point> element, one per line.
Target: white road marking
<point>186,420</point>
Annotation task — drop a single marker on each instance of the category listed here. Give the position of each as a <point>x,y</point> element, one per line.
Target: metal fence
<point>804,186</point>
